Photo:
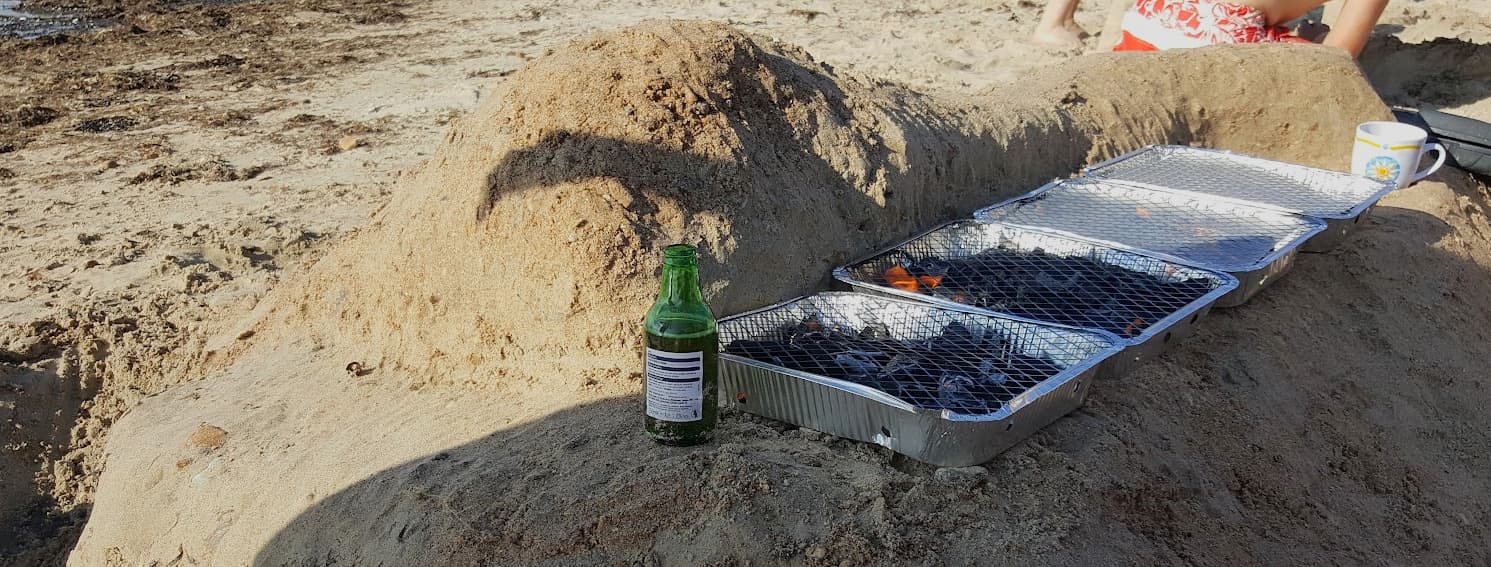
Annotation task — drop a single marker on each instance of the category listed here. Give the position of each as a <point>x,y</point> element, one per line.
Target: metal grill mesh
<point>1216,234</point>
<point>1041,276</point>
<point>931,358</point>
<point>1295,188</point>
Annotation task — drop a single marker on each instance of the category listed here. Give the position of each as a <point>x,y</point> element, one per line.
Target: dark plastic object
<point>1467,140</point>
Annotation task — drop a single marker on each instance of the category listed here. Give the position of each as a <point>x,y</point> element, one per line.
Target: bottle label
<point>675,385</point>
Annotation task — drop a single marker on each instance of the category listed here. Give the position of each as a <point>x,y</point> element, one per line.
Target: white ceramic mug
<point>1389,151</point>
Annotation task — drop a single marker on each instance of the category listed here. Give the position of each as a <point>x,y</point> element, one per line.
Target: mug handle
<point>1430,147</point>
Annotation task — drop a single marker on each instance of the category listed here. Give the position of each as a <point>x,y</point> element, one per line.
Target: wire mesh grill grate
<point>1294,188</point>
<point>1040,276</point>
<point>931,358</point>
<point>1216,234</point>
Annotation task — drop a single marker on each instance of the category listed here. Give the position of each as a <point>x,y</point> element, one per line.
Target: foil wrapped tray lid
<point>1218,234</point>
<point>1287,187</point>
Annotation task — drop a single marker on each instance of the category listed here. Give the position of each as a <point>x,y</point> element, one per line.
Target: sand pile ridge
<point>530,243</point>
<point>493,308</point>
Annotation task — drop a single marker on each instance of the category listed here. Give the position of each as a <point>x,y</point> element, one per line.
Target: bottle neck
<point>680,285</point>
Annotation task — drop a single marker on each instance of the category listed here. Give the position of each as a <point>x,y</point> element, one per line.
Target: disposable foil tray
<point>906,378</point>
<point>1256,245</point>
<point>1339,199</point>
<point>1148,302</point>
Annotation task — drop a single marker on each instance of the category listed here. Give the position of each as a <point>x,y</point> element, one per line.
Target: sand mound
<point>493,305</point>
<point>531,243</point>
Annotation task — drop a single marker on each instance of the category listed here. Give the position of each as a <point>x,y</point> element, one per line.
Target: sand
<point>598,155</point>
<point>470,431</point>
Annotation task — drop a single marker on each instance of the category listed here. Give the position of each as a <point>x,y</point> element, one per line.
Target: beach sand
<point>164,179</point>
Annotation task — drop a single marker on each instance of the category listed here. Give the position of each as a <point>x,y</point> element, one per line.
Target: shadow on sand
<point>1442,72</point>
<point>1335,419</point>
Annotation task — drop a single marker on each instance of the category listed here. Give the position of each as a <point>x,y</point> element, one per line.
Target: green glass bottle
<point>681,360</point>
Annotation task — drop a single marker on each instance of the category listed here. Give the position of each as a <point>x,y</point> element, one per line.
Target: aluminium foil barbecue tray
<point>1050,369</point>
<point>1007,258</point>
<point>1256,245</point>
<point>1339,199</point>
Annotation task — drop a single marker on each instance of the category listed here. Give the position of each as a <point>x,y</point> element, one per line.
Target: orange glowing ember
<point>1204,232</point>
<point>901,279</point>
<point>1134,327</point>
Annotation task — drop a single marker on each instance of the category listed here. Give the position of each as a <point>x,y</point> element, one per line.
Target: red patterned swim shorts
<point>1153,25</point>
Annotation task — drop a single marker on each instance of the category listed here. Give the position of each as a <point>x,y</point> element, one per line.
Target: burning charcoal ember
<point>929,272</point>
<point>898,277</point>
<point>809,326</point>
<point>1034,284</point>
<point>964,369</point>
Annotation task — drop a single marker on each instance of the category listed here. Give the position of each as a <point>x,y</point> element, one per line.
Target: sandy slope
<point>486,432</point>
<point>109,289</point>
<point>95,246</point>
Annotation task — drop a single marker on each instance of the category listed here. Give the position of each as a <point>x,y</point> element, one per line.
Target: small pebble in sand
<point>349,143</point>
<point>208,437</point>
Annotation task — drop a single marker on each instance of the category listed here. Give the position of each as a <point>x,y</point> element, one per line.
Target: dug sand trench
<point>492,308</point>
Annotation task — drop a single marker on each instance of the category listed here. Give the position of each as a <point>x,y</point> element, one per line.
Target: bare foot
<point>1072,26</point>
<point>1056,37</point>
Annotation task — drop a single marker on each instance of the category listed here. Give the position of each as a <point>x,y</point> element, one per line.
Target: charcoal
<point>933,267</point>
<point>858,363</point>
<point>962,369</point>
<point>960,393</point>
<point>874,331</point>
<point>807,327</point>
<point>988,373</point>
<point>1068,290</point>
<point>958,334</point>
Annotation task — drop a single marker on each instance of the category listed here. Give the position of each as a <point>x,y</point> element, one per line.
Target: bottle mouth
<point>679,255</point>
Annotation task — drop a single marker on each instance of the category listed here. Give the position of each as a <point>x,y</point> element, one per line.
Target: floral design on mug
<point>1383,168</point>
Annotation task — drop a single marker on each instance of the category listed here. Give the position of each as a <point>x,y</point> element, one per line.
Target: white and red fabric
<point>1154,25</point>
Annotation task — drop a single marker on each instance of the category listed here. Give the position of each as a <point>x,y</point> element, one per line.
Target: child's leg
<point>1332,12</point>
<point>1354,25</point>
<point>1054,28</point>
<point>1113,26</point>
<point>1069,18</point>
